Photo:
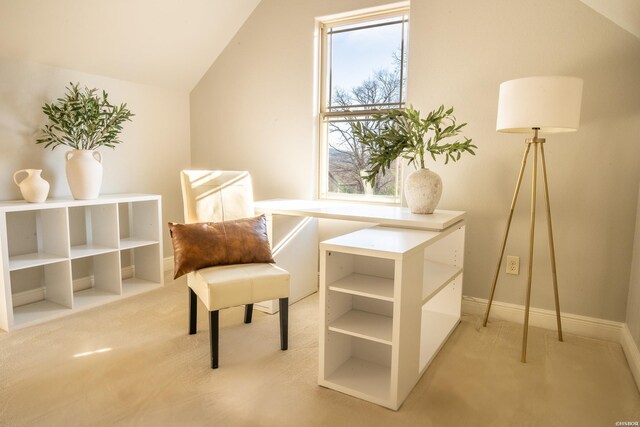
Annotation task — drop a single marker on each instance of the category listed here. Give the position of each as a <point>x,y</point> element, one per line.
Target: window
<point>363,71</point>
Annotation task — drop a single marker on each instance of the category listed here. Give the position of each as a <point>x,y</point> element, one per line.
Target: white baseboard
<point>128,272</point>
<point>632,353</point>
<point>167,264</point>
<point>572,323</point>
<point>27,297</point>
<point>82,283</point>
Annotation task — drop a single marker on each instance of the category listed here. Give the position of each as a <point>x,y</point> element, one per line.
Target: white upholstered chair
<point>214,196</point>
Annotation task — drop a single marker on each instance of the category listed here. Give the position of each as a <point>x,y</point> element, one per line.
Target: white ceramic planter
<point>84,173</point>
<point>34,188</point>
<point>422,190</point>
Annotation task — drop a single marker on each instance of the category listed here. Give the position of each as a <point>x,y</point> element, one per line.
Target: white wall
<point>254,110</point>
<point>460,51</point>
<point>155,143</point>
<point>633,303</point>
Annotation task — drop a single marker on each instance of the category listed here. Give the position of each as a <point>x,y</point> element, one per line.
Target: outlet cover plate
<point>513,264</point>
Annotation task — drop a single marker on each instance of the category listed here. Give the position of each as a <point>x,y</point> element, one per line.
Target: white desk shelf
<point>365,285</point>
<point>45,246</point>
<point>363,324</point>
<point>389,299</point>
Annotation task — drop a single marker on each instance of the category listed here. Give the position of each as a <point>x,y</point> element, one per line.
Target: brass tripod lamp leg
<point>531,238</point>
<point>551,247</point>
<point>506,234</point>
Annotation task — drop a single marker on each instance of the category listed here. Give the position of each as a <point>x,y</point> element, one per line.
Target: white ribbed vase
<point>84,173</point>
<point>422,190</point>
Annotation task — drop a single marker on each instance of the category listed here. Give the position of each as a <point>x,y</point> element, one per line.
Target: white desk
<point>390,292</point>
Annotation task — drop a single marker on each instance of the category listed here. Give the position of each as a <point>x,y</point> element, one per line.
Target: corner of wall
<point>632,353</point>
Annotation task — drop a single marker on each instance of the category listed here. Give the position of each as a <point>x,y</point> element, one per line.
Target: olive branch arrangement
<point>83,120</point>
<point>403,133</point>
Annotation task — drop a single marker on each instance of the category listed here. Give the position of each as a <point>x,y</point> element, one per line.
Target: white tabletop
<point>394,216</point>
<point>392,242</point>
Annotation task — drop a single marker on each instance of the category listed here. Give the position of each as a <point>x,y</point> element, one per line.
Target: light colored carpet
<point>155,374</point>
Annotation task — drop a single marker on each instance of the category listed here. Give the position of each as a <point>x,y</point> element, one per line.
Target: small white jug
<point>34,188</point>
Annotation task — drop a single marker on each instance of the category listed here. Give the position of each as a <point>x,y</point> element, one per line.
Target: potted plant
<point>403,133</point>
<point>83,120</point>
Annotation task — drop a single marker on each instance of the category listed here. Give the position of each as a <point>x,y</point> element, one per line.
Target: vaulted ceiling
<point>625,13</point>
<point>167,43</point>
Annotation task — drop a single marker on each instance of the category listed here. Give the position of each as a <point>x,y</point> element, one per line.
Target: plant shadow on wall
<point>402,133</point>
<point>83,120</point>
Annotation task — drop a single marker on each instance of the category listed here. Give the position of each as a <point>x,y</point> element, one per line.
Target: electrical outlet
<point>513,264</point>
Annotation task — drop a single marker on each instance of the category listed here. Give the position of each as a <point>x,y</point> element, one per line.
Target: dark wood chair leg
<point>284,323</point>
<point>248,313</point>
<point>213,337</point>
<point>193,311</point>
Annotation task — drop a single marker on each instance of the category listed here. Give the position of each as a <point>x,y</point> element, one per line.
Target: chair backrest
<point>214,196</point>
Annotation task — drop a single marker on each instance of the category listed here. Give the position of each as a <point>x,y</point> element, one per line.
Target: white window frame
<point>398,10</point>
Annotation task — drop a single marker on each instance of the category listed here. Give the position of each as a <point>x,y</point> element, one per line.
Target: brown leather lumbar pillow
<point>207,244</point>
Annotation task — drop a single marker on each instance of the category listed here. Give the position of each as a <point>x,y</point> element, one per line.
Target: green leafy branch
<point>83,120</point>
<point>403,133</point>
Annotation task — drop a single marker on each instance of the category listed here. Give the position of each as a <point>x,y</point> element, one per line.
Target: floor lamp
<point>549,104</point>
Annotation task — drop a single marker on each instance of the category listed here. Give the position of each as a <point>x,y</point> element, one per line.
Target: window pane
<point>347,162</point>
<point>365,64</point>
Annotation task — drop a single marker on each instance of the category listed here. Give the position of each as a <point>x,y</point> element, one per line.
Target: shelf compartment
<point>101,276</point>
<point>440,316</point>
<point>144,266</point>
<point>37,237</point>
<point>49,292</point>
<point>93,230</point>
<point>360,316</point>
<point>139,222</point>
<point>365,285</point>
<point>360,275</point>
<point>358,367</point>
<point>362,379</point>
<point>436,276</point>
<point>361,324</point>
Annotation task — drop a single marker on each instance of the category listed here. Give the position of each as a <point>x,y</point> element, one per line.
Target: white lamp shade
<point>550,103</point>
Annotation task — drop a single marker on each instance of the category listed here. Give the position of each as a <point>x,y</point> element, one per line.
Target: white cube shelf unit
<point>389,299</point>
<point>62,256</point>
